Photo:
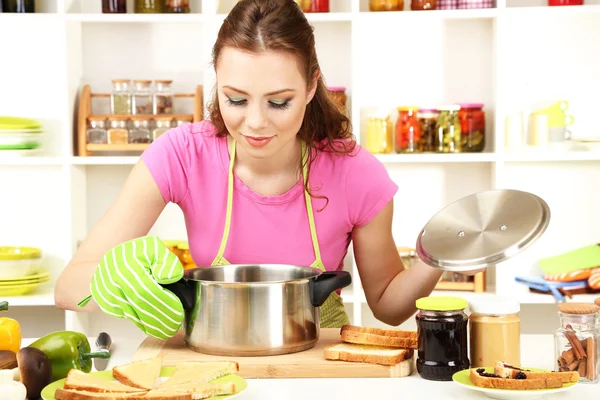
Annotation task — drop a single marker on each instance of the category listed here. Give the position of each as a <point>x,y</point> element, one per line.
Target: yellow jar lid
<point>441,303</point>
<point>407,108</point>
<point>19,253</point>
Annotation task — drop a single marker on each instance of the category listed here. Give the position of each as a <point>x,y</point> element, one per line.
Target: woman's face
<point>262,98</point>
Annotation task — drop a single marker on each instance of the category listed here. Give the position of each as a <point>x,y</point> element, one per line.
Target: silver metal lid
<point>482,229</point>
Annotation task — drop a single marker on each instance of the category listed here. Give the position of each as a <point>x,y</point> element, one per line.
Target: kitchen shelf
<point>29,161</point>
<point>546,156</point>
<point>136,18</point>
<point>438,158</point>
<point>390,16</point>
<point>41,297</point>
<point>104,160</point>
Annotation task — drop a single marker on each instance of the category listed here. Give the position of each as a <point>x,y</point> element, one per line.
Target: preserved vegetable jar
<point>408,130</point>
<point>576,341</point>
<point>442,337</point>
<point>319,6</point>
<point>447,4</point>
<point>427,120</point>
<point>118,133</point>
<point>465,4</point>
<point>96,133</point>
<point>120,98</point>
<point>494,331</point>
<point>114,6</point>
<point>305,5</point>
<point>177,6</point>
<point>142,98</point>
<point>140,132</point>
<point>163,98</point>
<point>163,124</point>
<point>386,5</point>
<point>149,6</point>
<point>472,126</point>
<point>380,134</point>
<point>338,96</point>
<point>18,6</point>
<point>418,5</point>
<point>447,130</point>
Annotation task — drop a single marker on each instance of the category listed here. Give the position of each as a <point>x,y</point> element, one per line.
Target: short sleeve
<point>368,187</point>
<point>169,160</point>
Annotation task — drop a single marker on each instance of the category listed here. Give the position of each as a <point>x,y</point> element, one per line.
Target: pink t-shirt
<point>190,166</point>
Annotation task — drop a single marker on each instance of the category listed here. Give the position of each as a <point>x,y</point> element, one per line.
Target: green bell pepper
<point>67,350</point>
<point>3,305</point>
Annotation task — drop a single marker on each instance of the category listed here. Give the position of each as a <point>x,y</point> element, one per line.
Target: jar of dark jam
<point>442,334</point>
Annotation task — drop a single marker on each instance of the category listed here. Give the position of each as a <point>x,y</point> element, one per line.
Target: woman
<point>275,177</point>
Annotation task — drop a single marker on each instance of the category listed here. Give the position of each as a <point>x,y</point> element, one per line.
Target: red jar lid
<point>470,105</point>
<point>336,88</point>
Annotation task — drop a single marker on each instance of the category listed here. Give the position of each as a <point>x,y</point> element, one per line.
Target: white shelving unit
<point>508,57</point>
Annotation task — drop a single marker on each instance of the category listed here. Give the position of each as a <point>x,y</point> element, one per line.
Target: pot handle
<point>326,283</point>
<point>184,292</point>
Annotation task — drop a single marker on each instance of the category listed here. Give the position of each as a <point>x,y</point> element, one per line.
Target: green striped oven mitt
<point>127,284</point>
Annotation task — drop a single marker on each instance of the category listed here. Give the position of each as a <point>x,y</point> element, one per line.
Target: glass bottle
<point>149,6</point>
<point>408,130</point>
<point>427,120</point>
<point>442,337</point>
<point>163,124</point>
<point>183,119</point>
<point>576,341</point>
<point>447,130</point>
<point>419,5</point>
<point>386,5</point>
<point>319,6</point>
<point>140,132</point>
<point>142,98</point>
<point>118,133</point>
<point>163,98</point>
<point>120,98</point>
<point>177,6</point>
<point>380,133</point>
<point>114,6</point>
<point>472,126</point>
<point>18,6</point>
<point>304,4</point>
<point>96,133</point>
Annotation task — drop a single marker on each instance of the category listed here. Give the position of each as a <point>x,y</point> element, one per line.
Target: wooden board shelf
<point>117,147</point>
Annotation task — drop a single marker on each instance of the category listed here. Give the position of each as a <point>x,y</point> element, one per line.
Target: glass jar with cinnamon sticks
<point>576,341</point>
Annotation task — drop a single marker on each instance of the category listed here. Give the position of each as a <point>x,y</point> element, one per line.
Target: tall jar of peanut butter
<point>494,331</point>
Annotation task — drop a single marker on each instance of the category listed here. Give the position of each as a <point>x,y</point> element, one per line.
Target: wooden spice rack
<point>85,112</point>
<point>476,283</point>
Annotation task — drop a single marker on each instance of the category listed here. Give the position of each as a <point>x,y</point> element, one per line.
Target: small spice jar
<point>576,341</point>
<point>386,5</point>
<point>380,133</point>
<point>163,124</point>
<point>419,5</point>
<point>472,126</point>
<point>149,6</point>
<point>427,120</point>
<point>18,6</point>
<point>337,94</point>
<point>494,331</point>
<point>96,133</point>
<point>117,132</point>
<point>120,98</point>
<point>114,6</point>
<point>408,130</point>
<point>142,97</point>
<point>442,337</point>
<point>321,6</point>
<point>447,130</point>
<point>177,6</point>
<point>163,97</point>
<point>182,119</point>
<point>140,132</point>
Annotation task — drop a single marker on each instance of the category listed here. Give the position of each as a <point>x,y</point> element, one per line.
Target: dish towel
<point>127,284</point>
<point>583,258</point>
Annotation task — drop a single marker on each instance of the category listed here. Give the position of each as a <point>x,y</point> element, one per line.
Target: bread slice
<point>487,380</point>
<point>200,390</point>
<point>508,371</point>
<point>139,374</point>
<point>379,337</point>
<point>79,380</point>
<point>199,372</point>
<point>71,394</point>
<point>367,353</point>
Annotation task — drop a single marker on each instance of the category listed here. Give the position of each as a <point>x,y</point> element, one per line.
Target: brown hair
<point>280,25</point>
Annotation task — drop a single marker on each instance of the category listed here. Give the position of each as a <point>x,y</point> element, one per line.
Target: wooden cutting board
<point>307,364</point>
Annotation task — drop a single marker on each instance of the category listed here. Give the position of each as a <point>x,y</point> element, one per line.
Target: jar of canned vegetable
<point>447,130</point>
<point>427,121</point>
<point>408,130</point>
<point>380,134</point>
<point>472,125</point>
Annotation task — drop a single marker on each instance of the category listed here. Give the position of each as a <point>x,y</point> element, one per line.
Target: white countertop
<point>537,351</point>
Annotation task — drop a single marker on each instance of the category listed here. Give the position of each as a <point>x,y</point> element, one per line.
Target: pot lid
<point>482,229</point>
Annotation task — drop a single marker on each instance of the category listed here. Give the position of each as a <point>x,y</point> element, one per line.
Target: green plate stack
<point>19,135</point>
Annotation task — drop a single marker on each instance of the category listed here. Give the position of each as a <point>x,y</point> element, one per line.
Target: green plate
<point>7,122</point>
<point>462,378</point>
<point>165,372</point>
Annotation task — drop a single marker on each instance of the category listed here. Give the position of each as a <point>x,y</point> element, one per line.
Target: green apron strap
<point>318,263</point>
<point>219,259</point>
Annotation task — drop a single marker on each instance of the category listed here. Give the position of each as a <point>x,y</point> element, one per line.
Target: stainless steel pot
<point>254,309</point>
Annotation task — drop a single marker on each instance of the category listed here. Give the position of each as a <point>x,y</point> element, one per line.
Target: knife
<point>103,343</point>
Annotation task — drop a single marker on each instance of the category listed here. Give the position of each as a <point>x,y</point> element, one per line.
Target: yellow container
<point>380,134</point>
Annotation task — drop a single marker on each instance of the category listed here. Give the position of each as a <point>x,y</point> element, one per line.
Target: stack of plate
<point>25,284</point>
<point>19,136</point>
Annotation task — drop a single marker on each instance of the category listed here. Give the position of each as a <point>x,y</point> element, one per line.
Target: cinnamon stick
<point>567,357</point>
<point>582,369</point>
<point>591,359</point>
<point>573,366</point>
<point>575,343</point>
